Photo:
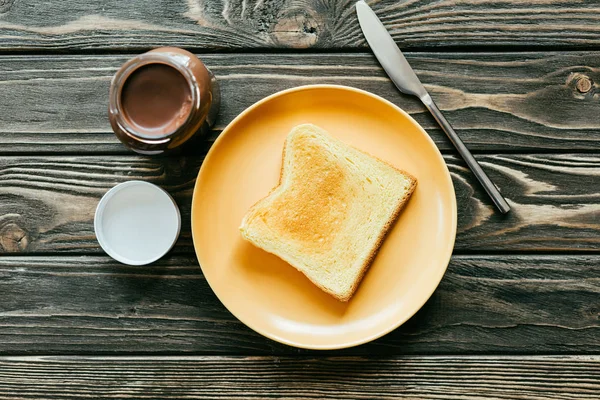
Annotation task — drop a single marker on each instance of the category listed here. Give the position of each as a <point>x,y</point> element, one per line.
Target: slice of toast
<point>331,211</point>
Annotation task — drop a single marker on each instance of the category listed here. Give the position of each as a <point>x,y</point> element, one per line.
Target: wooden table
<point>517,314</point>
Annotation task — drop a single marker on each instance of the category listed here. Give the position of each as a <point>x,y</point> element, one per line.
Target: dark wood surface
<point>457,377</point>
<point>48,202</point>
<point>71,305</point>
<point>70,25</point>
<point>495,101</point>
<point>517,315</point>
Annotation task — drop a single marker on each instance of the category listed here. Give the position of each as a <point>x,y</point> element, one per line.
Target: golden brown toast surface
<point>331,211</point>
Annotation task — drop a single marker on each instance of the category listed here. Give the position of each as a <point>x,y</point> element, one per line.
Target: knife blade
<point>387,52</point>
<point>401,73</point>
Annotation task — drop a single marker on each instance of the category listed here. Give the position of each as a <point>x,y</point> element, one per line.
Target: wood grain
<point>494,378</point>
<point>485,304</point>
<point>69,25</point>
<point>496,101</point>
<point>47,203</point>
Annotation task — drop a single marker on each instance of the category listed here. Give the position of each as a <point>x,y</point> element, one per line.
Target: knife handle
<point>481,176</point>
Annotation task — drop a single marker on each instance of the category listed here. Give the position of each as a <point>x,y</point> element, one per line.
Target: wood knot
<point>298,29</point>
<point>594,312</point>
<point>12,238</point>
<point>584,84</point>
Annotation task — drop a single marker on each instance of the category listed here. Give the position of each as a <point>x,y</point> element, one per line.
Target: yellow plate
<point>269,295</point>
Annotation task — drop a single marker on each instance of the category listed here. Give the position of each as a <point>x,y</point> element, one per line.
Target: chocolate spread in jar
<point>156,99</point>
<point>161,99</point>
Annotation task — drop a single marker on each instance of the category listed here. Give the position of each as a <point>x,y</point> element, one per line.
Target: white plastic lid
<point>137,222</point>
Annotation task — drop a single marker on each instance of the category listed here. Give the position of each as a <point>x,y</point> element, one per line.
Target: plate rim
<point>449,250</point>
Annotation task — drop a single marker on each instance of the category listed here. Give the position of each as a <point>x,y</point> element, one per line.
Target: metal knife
<point>393,62</point>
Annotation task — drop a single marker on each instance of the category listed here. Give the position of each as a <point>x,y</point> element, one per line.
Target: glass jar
<point>161,99</point>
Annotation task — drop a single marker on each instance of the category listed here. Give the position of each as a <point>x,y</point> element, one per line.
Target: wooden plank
<point>496,101</point>
<point>27,25</point>
<point>47,203</point>
<point>92,305</point>
<point>541,377</point>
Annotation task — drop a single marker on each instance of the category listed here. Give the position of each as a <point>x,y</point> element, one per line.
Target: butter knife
<point>400,72</point>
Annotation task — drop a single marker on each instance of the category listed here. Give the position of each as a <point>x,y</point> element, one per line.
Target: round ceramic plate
<point>272,297</point>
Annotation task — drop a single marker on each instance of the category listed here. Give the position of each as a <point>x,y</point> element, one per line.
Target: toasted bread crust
<point>388,226</point>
